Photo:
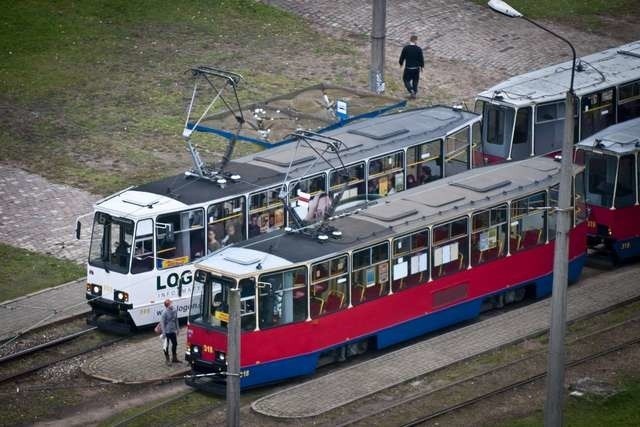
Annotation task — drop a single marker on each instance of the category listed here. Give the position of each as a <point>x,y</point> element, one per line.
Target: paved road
<point>469,47</point>
<point>38,215</point>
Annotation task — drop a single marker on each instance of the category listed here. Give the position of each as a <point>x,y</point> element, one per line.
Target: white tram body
<point>524,115</point>
<point>146,239</point>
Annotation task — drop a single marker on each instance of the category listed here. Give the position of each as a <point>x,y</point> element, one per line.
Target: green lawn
<point>25,272</point>
<point>94,93</point>
<point>585,14</point>
<point>620,410</point>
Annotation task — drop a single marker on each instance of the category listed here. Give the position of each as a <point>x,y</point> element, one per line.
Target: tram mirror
<point>78,229</point>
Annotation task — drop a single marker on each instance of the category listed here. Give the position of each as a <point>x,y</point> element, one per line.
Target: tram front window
<point>111,240</point>
<point>601,178</point>
<point>210,301</point>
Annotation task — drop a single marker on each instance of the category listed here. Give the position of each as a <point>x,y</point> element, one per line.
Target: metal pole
<point>233,359</point>
<point>556,357</point>
<point>378,34</point>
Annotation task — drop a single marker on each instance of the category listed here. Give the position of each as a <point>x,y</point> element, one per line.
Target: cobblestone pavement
<point>347,385</point>
<point>40,216</point>
<point>468,46</point>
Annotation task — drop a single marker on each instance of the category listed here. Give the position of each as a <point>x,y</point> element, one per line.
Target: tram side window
<point>597,112</point>
<point>354,176</point>
<point>528,222</point>
<point>225,223</point>
<point>424,163</point>
<point>450,247</point>
<point>282,297</point>
<point>456,148</point>
<point>386,174</point>
<point>410,265</point>
<point>329,286</point>
<point>601,176</point>
<point>625,189</point>
<point>179,237</point>
<point>489,235</point>
<point>308,197</point>
<point>522,132</point>
<point>111,240</point>
<point>629,101</point>
<point>266,212</point>
<point>143,253</point>
<point>370,273</point>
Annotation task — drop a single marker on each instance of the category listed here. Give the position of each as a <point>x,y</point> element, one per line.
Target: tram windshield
<point>111,242</point>
<point>210,301</point>
<point>606,173</point>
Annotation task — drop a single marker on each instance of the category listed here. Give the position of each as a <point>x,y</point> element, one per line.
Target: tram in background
<point>145,239</point>
<point>407,265</point>
<point>524,115</point>
<point>612,177</point>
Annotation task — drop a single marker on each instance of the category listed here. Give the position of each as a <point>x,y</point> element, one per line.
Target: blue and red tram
<point>410,264</point>
<point>612,173</point>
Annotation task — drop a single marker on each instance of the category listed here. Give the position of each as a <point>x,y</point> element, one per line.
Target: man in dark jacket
<point>169,326</point>
<point>413,61</point>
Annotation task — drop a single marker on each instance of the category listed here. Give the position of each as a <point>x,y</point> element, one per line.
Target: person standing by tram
<point>169,326</point>
<point>413,61</point>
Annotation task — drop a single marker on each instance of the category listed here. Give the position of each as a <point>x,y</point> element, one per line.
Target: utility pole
<point>556,357</point>
<point>378,35</point>
<point>233,359</point>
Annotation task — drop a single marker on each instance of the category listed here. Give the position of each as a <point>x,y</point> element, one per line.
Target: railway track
<point>499,390</point>
<point>18,357</point>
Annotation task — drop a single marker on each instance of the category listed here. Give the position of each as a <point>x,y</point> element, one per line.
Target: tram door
<point>597,112</point>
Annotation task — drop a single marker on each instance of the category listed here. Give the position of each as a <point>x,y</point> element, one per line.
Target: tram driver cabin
<point>524,115</point>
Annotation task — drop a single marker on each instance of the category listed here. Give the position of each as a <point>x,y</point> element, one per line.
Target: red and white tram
<point>145,239</point>
<point>524,115</point>
<point>612,174</point>
<point>409,264</point>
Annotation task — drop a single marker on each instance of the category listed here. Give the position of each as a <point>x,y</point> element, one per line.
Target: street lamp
<point>555,378</point>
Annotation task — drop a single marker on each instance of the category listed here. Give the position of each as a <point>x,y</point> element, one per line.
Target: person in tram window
<point>254,226</point>
<point>411,181</point>
<point>169,327</point>
<point>212,242</point>
<point>426,174</point>
<point>232,234</point>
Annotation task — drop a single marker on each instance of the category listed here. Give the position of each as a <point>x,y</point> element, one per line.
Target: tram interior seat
<point>334,301</point>
<point>367,293</point>
<point>318,289</point>
<point>490,254</point>
<point>514,242</point>
<point>317,305</point>
<point>531,238</point>
<point>451,267</point>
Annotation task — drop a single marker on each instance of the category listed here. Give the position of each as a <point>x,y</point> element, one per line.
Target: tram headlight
<point>220,356</point>
<point>120,296</point>
<point>94,290</point>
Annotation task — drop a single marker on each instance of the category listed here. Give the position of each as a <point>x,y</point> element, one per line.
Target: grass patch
<point>584,14</point>
<point>618,410</point>
<point>159,413</point>
<point>26,272</point>
<point>94,94</point>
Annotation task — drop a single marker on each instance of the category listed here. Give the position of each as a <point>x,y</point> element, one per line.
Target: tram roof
<point>601,70</point>
<point>408,211</point>
<point>367,138</point>
<point>622,138</point>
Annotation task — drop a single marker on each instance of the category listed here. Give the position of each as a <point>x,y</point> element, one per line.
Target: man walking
<point>413,61</point>
<point>169,326</point>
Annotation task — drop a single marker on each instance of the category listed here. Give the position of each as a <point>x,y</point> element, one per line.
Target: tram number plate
<point>591,224</point>
<point>207,349</point>
<point>625,245</point>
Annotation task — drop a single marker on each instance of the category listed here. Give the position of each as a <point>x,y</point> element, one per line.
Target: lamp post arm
<point>573,51</point>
